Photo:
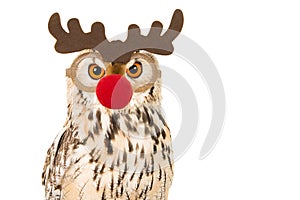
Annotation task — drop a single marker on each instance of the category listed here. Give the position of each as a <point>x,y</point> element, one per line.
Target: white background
<point>255,46</point>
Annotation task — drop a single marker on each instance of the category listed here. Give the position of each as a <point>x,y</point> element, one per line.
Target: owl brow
<point>115,51</point>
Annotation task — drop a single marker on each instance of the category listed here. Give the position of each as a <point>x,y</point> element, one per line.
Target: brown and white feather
<point>111,154</point>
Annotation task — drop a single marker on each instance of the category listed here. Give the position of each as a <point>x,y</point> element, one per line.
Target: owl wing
<point>50,179</point>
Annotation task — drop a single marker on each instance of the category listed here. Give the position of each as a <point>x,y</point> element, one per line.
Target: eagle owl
<point>115,143</point>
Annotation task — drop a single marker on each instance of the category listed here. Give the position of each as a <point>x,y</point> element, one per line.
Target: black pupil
<point>97,70</point>
<point>133,69</point>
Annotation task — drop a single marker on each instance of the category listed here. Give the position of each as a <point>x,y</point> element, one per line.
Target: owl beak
<point>114,91</point>
<point>116,68</point>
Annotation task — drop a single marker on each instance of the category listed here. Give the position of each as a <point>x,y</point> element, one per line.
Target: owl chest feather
<point>120,155</point>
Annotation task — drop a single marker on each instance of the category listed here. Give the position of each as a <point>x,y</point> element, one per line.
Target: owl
<point>115,143</point>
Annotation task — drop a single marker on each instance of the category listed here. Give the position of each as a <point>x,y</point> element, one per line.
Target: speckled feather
<point>111,154</point>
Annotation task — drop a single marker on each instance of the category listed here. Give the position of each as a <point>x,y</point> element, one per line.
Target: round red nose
<point>114,91</point>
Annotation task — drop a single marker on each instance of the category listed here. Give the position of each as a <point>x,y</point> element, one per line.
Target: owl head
<point>115,74</point>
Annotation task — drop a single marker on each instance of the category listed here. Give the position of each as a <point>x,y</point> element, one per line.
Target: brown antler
<point>156,43</point>
<point>76,39</point>
<point>116,51</point>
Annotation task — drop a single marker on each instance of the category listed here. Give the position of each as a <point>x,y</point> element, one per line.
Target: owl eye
<point>134,70</point>
<point>96,72</point>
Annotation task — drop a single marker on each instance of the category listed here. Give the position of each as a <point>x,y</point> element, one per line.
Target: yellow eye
<point>135,70</point>
<point>96,72</point>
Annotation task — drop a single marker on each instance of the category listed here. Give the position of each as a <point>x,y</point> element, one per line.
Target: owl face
<point>116,85</point>
<point>122,74</point>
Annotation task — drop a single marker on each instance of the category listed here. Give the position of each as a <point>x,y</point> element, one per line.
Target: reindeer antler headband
<point>115,51</point>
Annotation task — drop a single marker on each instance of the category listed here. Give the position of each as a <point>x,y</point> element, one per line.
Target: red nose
<point>114,91</point>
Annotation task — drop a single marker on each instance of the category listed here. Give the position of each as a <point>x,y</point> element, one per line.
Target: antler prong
<point>74,26</point>
<point>98,27</point>
<point>156,28</point>
<point>133,31</point>
<point>54,26</point>
<point>175,26</point>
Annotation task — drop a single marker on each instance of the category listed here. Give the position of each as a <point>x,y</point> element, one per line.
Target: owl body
<point>107,153</point>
